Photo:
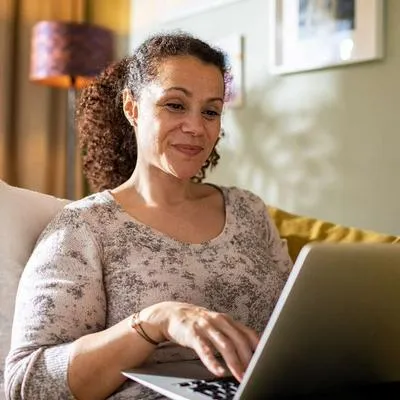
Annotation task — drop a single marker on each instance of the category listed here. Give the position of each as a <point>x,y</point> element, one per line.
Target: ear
<point>130,106</point>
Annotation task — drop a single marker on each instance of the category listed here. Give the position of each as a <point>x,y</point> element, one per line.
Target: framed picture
<point>314,34</point>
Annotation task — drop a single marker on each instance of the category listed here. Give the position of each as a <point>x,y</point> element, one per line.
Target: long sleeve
<point>60,298</point>
<point>277,246</point>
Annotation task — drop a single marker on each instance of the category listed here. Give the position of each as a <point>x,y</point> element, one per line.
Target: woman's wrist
<point>151,322</point>
<point>137,324</point>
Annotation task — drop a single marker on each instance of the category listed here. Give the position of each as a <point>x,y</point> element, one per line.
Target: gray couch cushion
<point>23,215</point>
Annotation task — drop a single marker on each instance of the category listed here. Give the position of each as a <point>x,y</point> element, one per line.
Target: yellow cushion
<point>299,230</point>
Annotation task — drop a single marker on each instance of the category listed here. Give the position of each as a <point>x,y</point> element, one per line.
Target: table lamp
<point>68,55</point>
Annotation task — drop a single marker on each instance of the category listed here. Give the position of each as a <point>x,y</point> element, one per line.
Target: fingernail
<point>220,370</point>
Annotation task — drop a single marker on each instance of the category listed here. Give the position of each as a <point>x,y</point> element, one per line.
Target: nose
<point>193,123</point>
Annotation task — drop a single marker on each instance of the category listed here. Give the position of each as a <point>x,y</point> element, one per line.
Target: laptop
<point>335,325</point>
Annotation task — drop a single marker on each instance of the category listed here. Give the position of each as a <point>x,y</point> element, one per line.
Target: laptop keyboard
<point>219,388</point>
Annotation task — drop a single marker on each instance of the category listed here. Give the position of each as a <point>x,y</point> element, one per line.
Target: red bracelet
<point>136,324</point>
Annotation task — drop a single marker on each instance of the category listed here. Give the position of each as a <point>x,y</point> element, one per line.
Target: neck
<point>156,188</point>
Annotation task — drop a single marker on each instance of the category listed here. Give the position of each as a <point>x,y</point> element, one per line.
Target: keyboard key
<point>219,389</point>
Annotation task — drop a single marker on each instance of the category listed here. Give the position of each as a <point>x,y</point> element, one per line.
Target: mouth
<point>189,150</point>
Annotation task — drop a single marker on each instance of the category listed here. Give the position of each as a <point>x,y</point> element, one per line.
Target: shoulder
<point>239,196</point>
<point>84,212</point>
<point>245,207</point>
<point>92,202</point>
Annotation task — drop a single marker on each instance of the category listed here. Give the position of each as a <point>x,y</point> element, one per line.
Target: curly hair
<point>106,137</point>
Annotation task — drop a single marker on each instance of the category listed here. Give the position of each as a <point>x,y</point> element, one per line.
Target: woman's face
<point>178,116</point>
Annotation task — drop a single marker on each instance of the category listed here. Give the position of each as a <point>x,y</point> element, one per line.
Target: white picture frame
<point>315,34</point>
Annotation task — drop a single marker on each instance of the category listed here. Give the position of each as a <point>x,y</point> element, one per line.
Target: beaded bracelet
<point>136,324</point>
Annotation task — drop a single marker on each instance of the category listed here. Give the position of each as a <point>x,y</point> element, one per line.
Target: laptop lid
<point>337,322</point>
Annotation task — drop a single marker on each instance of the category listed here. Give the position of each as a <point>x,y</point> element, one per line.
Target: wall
<point>323,143</point>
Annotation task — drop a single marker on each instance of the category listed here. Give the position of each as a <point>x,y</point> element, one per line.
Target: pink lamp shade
<point>62,51</point>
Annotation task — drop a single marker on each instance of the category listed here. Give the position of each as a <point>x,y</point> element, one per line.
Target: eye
<point>175,106</point>
<point>211,114</point>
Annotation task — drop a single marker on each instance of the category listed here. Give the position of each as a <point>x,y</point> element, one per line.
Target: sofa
<point>25,213</point>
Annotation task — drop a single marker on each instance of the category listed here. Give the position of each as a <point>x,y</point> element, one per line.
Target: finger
<point>252,336</point>
<point>240,340</point>
<point>228,351</point>
<point>205,351</point>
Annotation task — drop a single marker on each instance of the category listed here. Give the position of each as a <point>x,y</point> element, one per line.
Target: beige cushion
<point>23,215</point>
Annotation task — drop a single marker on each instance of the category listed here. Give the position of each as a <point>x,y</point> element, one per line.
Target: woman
<point>159,258</point>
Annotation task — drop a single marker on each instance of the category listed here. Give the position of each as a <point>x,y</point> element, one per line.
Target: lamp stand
<point>70,142</point>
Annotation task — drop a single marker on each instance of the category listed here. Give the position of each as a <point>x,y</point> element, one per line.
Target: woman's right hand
<point>204,331</point>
